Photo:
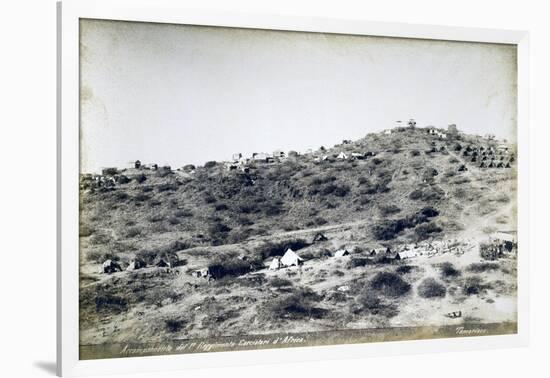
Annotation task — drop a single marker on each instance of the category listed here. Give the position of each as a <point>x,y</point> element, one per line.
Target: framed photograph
<point>240,188</point>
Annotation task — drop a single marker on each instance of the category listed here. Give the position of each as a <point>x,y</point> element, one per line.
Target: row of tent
<point>111,266</point>
<point>291,258</point>
<point>493,164</point>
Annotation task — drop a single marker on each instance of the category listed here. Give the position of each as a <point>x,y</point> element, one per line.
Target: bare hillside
<point>374,197</point>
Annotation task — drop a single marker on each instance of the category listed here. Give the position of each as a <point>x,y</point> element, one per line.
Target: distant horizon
<point>178,94</point>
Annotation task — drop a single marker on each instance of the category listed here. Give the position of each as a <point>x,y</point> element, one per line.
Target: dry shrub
<point>99,257</point>
<point>174,221</point>
<point>280,282</point>
<point>448,270</point>
<point>174,325</point>
<point>430,288</point>
<point>183,213</point>
<point>369,300</point>
<point>106,302</point>
<point>210,164</point>
<point>390,284</point>
<point>425,231</point>
<point>229,267</point>
<point>390,209</point>
<point>100,238</point>
<point>482,267</point>
<point>299,305</point>
<point>370,303</point>
<point>132,232</point>
<point>404,269</point>
<point>474,285</point>
<point>140,178</point>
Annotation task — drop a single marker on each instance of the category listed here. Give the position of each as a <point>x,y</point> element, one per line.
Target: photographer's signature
<point>470,331</point>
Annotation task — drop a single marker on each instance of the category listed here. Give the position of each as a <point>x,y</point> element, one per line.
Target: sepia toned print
<point>252,189</point>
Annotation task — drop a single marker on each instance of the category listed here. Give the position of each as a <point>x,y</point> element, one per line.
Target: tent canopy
<point>291,258</point>
<point>275,264</point>
<point>341,253</point>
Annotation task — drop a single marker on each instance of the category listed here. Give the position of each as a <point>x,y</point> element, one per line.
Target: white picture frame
<point>169,11</point>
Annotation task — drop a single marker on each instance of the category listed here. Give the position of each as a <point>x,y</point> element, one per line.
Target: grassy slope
<point>216,213</point>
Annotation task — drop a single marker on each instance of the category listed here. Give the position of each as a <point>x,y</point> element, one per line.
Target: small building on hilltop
<point>259,156</point>
<point>452,129</point>
<point>278,154</point>
<point>153,166</point>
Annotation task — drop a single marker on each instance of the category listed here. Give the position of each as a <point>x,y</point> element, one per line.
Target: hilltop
<point>386,190</point>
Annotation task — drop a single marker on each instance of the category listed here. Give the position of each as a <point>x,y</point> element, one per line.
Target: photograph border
<point>170,11</point>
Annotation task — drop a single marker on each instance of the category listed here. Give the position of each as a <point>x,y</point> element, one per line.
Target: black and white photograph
<point>245,188</point>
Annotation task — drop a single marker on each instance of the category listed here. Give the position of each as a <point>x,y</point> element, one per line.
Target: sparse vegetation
<point>390,284</point>
<point>430,288</point>
<point>404,269</point>
<point>221,268</point>
<point>390,209</point>
<point>298,305</point>
<point>389,229</point>
<point>482,267</point>
<point>474,285</point>
<point>174,325</point>
<point>448,270</point>
<point>424,231</point>
<point>207,234</point>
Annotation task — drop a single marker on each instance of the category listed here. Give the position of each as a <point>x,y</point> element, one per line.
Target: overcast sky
<point>174,94</point>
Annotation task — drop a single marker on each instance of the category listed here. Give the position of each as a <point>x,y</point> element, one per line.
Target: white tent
<point>342,155</point>
<point>407,254</point>
<point>275,264</point>
<point>110,266</point>
<point>201,273</point>
<point>290,258</point>
<point>136,264</point>
<point>341,253</point>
